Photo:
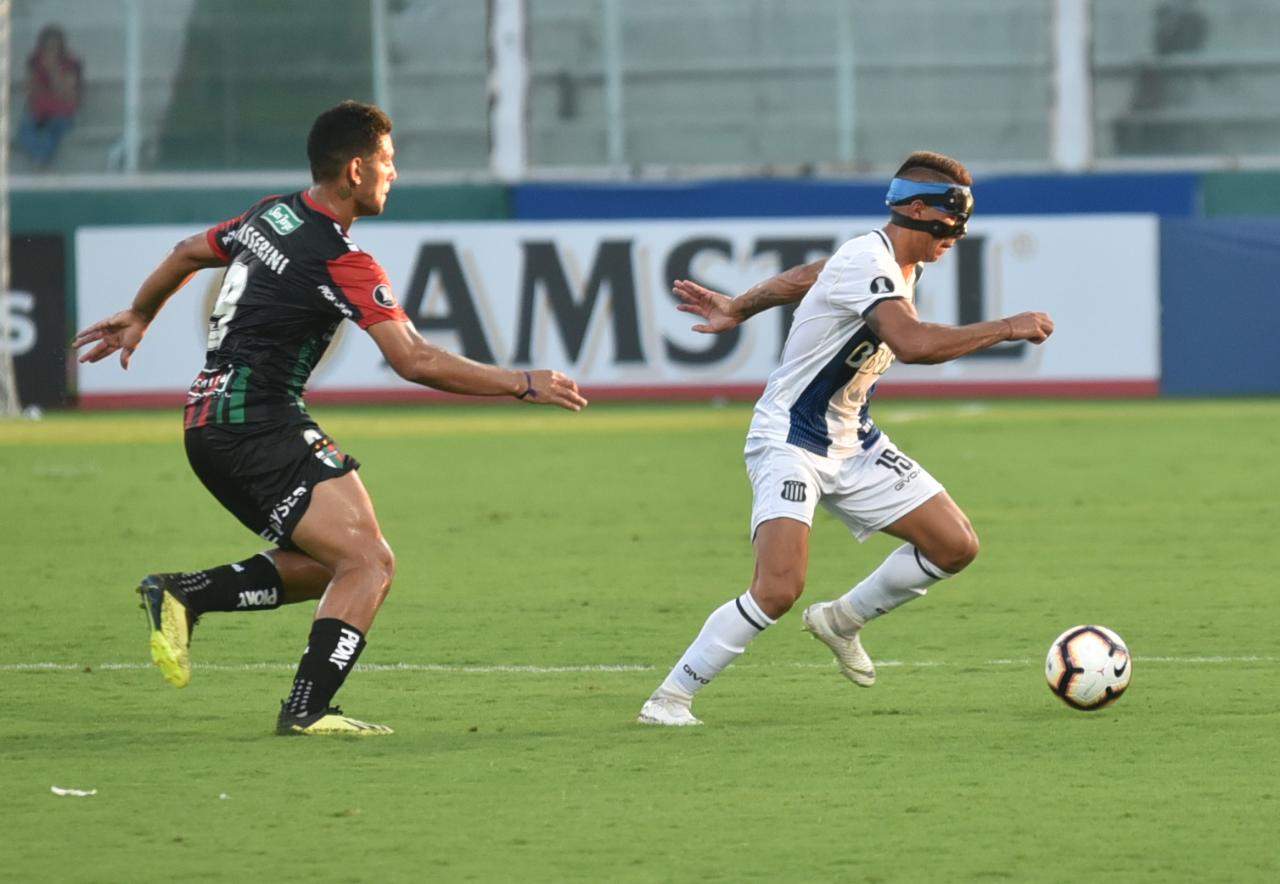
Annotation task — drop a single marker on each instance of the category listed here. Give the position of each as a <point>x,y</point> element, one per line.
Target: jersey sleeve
<point>221,236</point>
<point>864,281</point>
<point>363,287</point>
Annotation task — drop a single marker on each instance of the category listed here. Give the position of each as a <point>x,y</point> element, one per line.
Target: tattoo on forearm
<point>757,298</point>
<point>785,288</point>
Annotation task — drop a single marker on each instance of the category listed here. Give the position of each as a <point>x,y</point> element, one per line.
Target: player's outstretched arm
<point>723,313</point>
<point>124,331</point>
<point>896,323</point>
<point>422,363</point>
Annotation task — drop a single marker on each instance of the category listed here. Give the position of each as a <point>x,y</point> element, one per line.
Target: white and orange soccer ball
<point>1088,667</point>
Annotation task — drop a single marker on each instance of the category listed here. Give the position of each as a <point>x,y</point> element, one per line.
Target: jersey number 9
<point>233,283</point>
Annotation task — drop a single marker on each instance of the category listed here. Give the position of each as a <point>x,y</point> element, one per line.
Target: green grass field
<point>553,566</point>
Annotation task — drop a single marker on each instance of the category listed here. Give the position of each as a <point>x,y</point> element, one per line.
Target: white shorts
<point>868,491</point>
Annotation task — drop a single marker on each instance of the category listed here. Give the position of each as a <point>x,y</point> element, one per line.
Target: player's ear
<point>355,170</point>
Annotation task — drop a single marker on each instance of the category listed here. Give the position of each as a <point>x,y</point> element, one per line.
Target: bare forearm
<point>785,288</point>
<point>170,275</point>
<point>442,370</point>
<point>934,343</point>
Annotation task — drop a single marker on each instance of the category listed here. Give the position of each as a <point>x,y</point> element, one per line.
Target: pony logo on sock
<point>258,598</point>
<point>348,642</point>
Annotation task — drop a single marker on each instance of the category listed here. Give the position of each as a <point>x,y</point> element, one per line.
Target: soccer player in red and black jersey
<point>292,276</point>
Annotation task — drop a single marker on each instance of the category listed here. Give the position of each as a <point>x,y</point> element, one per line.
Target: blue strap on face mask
<point>954,199</point>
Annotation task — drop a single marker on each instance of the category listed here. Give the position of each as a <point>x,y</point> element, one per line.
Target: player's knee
<point>776,593</point>
<point>959,552</point>
<point>375,565</point>
<point>383,564</point>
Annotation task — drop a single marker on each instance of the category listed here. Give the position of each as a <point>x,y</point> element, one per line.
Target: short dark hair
<point>925,165</point>
<point>344,131</point>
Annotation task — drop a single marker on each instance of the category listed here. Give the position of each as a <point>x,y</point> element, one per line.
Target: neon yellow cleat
<point>330,722</point>
<point>171,624</point>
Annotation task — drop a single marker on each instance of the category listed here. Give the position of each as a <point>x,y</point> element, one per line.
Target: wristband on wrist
<point>528,390</point>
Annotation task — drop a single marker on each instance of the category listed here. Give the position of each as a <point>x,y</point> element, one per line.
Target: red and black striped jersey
<point>292,276</point>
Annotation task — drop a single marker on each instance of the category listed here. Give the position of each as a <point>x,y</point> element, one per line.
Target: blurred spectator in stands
<point>1180,27</point>
<point>54,87</point>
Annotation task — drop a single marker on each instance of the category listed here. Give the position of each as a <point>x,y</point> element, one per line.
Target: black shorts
<point>265,477</point>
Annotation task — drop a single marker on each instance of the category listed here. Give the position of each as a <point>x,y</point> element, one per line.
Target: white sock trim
<point>751,612</point>
<point>932,571</point>
<point>905,575</point>
<point>724,637</point>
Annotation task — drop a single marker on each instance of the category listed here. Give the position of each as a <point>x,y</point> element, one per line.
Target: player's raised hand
<point>548,387</point>
<point>1031,326</point>
<point>122,331</point>
<point>711,306</point>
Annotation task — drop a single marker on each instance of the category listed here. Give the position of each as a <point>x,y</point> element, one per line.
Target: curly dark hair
<point>344,131</point>
<point>926,165</point>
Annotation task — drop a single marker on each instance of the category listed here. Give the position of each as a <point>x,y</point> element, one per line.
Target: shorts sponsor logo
<point>382,294</point>
<point>904,482</point>
<point>793,491</point>
<point>280,512</point>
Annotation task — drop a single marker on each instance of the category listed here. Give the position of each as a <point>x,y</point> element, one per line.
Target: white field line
<point>463,669</point>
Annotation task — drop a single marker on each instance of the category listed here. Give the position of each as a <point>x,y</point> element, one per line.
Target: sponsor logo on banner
<point>594,300</point>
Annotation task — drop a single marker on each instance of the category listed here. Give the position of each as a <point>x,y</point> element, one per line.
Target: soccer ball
<point>1088,667</point>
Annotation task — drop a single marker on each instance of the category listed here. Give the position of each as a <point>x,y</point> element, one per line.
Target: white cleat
<point>820,621</point>
<point>668,711</point>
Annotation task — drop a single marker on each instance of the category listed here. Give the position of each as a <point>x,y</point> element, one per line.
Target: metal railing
<point>521,89</point>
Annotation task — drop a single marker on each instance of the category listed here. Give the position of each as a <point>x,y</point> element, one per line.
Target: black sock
<point>251,585</point>
<point>330,656</point>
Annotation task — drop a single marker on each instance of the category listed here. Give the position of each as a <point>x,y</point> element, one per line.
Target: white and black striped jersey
<point>818,398</point>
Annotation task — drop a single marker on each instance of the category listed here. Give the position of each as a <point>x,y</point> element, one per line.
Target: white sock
<point>724,636</point>
<point>905,575</point>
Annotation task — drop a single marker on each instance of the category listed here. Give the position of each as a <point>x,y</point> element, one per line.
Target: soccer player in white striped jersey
<point>812,439</point>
